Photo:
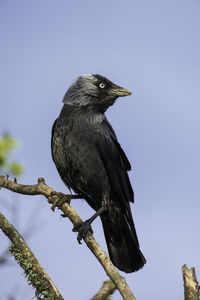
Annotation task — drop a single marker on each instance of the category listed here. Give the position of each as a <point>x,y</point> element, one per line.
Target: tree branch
<point>41,188</point>
<point>105,291</point>
<point>33,270</point>
<point>191,287</point>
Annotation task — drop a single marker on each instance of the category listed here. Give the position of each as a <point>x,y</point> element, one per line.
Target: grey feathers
<point>94,91</point>
<point>81,91</point>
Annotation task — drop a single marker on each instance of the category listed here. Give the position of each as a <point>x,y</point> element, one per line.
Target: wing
<point>124,160</point>
<point>58,153</point>
<point>116,164</point>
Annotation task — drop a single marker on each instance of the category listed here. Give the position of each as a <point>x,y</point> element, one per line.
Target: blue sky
<point>149,47</point>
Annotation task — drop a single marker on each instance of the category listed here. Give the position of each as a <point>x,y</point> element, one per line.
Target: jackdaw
<point>92,163</point>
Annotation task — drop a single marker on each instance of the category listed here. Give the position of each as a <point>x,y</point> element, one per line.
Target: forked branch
<point>41,188</point>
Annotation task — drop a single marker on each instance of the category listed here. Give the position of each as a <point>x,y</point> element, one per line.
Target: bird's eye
<point>102,85</point>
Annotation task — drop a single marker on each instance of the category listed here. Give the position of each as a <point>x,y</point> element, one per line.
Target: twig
<point>24,256</point>
<point>105,291</point>
<point>41,188</point>
<point>191,287</point>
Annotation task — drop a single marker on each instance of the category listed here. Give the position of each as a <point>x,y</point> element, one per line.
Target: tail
<point>122,241</point>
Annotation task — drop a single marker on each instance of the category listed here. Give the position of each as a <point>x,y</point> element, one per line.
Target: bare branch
<point>105,291</point>
<point>42,189</point>
<point>24,256</point>
<point>191,287</point>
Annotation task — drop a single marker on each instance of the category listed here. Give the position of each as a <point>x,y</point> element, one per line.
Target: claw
<point>61,199</point>
<point>82,228</point>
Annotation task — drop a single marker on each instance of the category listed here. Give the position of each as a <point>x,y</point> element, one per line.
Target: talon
<point>82,228</point>
<point>61,199</point>
<point>54,204</point>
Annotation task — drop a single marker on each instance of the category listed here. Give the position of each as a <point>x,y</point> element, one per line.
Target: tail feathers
<point>122,244</point>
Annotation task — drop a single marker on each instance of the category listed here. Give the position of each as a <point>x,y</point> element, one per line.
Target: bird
<point>91,162</point>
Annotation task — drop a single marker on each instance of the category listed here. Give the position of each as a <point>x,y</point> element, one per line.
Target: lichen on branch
<point>41,188</point>
<point>36,275</point>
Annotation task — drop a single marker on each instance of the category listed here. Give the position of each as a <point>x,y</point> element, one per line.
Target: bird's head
<point>95,91</point>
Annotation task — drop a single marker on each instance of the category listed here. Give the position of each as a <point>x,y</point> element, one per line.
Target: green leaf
<point>7,145</point>
<point>16,168</point>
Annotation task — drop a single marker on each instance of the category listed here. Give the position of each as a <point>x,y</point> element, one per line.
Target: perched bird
<point>90,161</point>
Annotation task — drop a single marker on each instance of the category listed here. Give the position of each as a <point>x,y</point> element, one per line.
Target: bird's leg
<point>84,227</point>
<point>61,199</point>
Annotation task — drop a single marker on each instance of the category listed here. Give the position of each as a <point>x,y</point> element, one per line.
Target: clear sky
<point>149,47</point>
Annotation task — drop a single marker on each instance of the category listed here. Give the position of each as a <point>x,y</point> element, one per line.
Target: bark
<point>191,287</point>
<point>105,291</point>
<point>54,198</point>
<point>36,275</point>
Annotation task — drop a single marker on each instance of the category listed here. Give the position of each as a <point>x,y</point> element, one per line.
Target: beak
<point>118,91</point>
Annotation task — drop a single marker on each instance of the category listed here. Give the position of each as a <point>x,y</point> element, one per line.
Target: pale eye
<point>102,85</point>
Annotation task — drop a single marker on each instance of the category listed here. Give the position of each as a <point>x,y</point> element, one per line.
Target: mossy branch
<point>41,188</point>
<point>37,277</point>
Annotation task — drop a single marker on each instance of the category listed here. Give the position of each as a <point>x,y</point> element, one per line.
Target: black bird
<point>90,160</point>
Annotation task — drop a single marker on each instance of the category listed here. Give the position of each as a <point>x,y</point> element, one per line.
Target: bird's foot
<point>60,199</point>
<point>82,228</point>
